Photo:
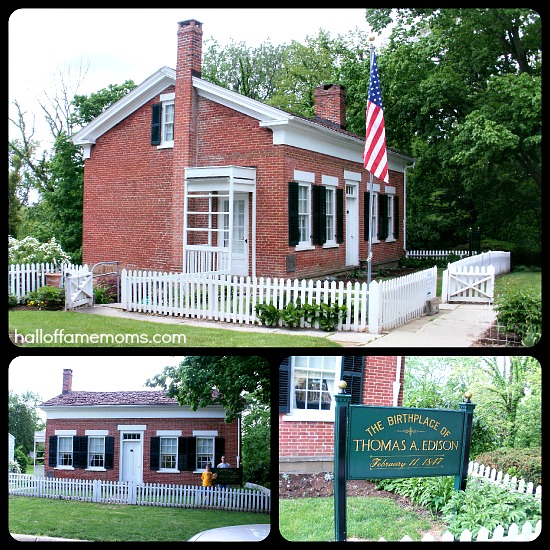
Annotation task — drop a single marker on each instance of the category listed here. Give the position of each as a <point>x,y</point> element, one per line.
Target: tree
<point>23,419</point>
<point>462,94</point>
<point>256,442</point>
<point>201,381</point>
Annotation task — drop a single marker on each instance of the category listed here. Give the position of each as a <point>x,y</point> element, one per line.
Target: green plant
<point>46,297</point>
<point>292,314</point>
<point>519,312</point>
<point>105,292</point>
<point>486,504</point>
<point>268,314</point>
<point>12,300</point>
<point>30,250</point>
<point>526,463</point>
<point>21,458</point>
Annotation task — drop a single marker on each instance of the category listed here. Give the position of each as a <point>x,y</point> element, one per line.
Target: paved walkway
<point>455,325</point>
<point>35,538</point>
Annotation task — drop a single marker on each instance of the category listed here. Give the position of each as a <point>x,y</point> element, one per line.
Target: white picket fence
<point>511,482</point>
<point>233,299</point>
<point>472,279</point>
<point>435,254</point>
<point>25,278</point>
<point>528,533</point>
<point>141,494</point>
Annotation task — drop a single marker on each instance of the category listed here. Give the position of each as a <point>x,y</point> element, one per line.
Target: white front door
<point>132,461</point>
<point>239,258</point>
<point>352,226</point>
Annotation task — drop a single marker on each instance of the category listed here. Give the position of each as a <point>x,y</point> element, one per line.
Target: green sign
<point>390,442</point>
<point>228,476</point>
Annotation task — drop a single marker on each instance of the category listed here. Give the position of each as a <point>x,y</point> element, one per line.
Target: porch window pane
<point>96,452</point>
<point>168,452</point>
<point>313,380</point>
<point>65,451</point>
<point>205,452</point>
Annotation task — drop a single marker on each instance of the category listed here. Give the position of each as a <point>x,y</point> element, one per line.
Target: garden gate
<point>79,288</point>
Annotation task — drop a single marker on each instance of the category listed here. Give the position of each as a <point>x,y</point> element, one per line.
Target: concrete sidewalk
<point>36,538</point>
<point>455,325</point>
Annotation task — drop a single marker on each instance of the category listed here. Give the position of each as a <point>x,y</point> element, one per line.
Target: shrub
<point>31,251</point>
<point>46,297</point>
<point>522,463</point>
<point>105,292</point>
<point>519,312</point>
<point>486,504</point>
<point>21,458</point>
<point>12,300</point>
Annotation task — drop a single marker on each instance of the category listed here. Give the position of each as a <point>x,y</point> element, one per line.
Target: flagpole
<point>369,257</point>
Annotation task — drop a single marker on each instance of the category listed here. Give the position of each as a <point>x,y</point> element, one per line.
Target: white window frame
<point>102,453</point>
<point>390,193</point>
<point>331,185</point>
<point>205,457</point>
<point>164,440</point>
<point>166,101</point>
<point>306,364</point>
<point>374,220</point>
<point>71,452</point>
<point>305,181</point>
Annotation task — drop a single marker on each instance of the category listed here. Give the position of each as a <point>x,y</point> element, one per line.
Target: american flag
<point>375,158</point>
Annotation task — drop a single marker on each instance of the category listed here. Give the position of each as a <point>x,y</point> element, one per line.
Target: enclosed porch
<point>219,222</point>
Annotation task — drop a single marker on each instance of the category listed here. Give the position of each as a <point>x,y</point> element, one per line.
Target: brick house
<point>184,175</point>
<point>306,405</point>
<point>141,436</point>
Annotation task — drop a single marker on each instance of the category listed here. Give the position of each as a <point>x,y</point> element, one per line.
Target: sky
<point>43,375</point>
<point>122,44</point>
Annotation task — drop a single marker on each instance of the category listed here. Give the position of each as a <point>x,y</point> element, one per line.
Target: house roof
<point>287,128</point>
<point>86,398</point>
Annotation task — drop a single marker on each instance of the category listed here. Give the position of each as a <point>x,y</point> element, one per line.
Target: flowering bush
<point>46,297</point>
<point>31,251</point>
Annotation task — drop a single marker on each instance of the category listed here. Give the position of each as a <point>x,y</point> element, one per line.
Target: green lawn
<point>368,519</point>
<point>112,523</point>
<point>72,329</point>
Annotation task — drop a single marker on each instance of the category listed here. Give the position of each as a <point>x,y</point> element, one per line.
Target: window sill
<point>300,247</point>
<point>168,471</point>
<point>309,416</point>
<point>166,145</point>
<point>64,468</point>
<point>96,469</point>
<point>331,245</point>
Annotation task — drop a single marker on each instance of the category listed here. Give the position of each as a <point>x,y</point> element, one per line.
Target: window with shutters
<point>162,122</point>
<point>168,453</point>
<point>374,218</point>
<point>304,215</point>
<point>96,452</point>
<point>307,385</point>
<point>330,229</point>
<point>205,452</point>
<point>64,451</point>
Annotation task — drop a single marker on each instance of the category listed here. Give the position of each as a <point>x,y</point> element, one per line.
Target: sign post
<point>340,476</point>
<point>375,442</point>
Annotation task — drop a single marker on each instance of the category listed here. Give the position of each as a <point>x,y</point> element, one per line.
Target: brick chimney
<point>330,104</point>
<point>67,380</point>
<point>188,65</point>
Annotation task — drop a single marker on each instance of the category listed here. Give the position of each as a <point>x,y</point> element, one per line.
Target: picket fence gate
<point>141,494</point>
<point>79,287</point>
<point>472,279</point>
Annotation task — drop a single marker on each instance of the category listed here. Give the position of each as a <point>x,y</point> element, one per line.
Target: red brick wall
<point>186,425</point>
<point>316,439</point>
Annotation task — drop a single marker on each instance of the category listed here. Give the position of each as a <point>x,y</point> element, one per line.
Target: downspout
<point>397,382</point>
<point>405,205</point>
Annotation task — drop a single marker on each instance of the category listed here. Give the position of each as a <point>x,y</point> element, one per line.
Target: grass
<point>113,523</point>
<point>368,519</point>
<point>87,330</point>
<point>528,281</point>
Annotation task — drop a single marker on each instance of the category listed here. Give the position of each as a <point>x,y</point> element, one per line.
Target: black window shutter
<point>219,450</point>
<point>339,215</point>
<point>382,217</point>
<point>109,453</point>
<point>293,225</point>
<point>155,123</point>
<point>154,455</point>
<point>52,451</point>
<point>366,215</point>
<point>395,217</point>
<point>352,373</point>
<point>187,453</point>
<point>80,451</point>
<point>319,202</point>
<point>284,385</point>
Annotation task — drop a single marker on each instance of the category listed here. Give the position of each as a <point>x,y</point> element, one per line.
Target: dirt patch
<point>321,485</point>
